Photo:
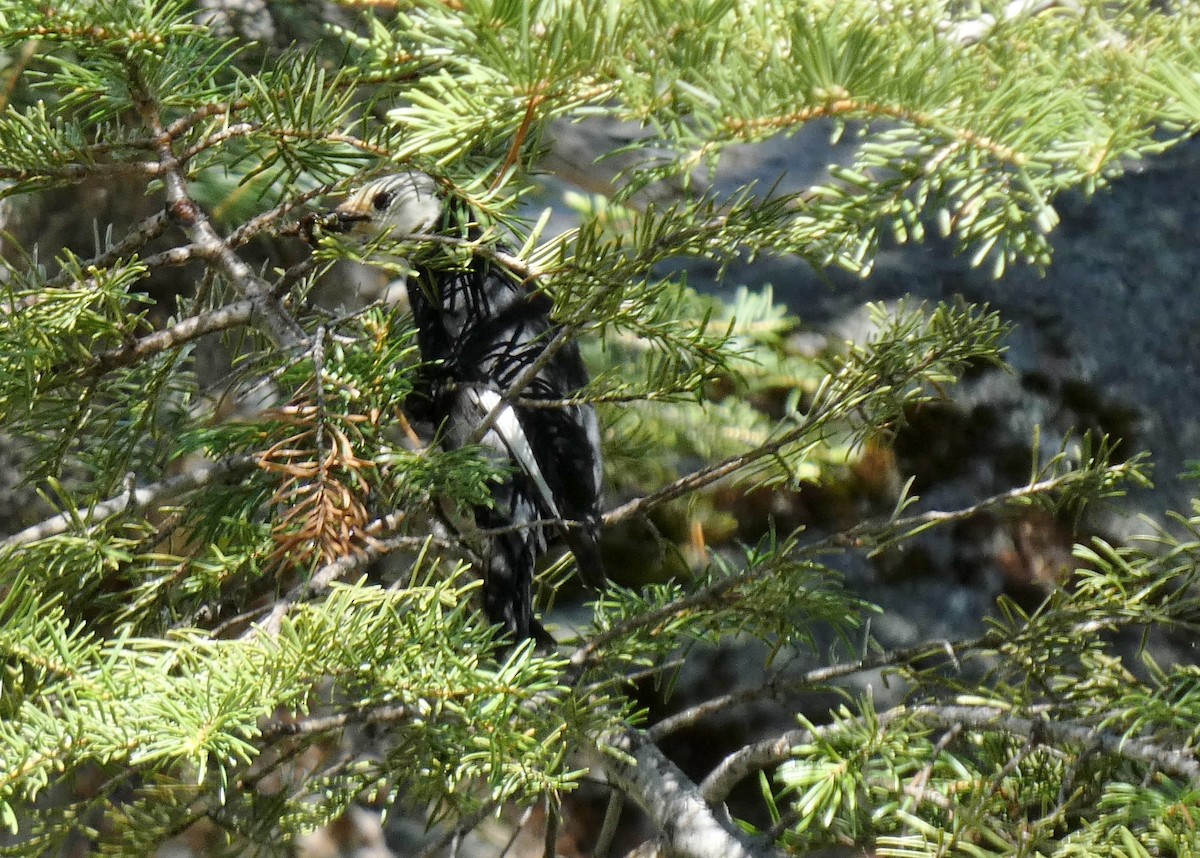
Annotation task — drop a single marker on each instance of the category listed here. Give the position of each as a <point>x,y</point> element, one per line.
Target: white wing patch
<point>514,439</point>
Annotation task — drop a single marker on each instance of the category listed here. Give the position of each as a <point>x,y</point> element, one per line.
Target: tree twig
<point>608,829</point>
<point>138,236</point>
<point>437,849</point>
<point>865,533</point>
<point>147,496</point>
<point>184,211</point>
<point>776,687</point>
<point>182,332</point>
<point>1039,723</point>
<point>314,724</point>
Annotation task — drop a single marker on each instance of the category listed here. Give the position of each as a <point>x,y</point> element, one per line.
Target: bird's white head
<point>396,205</point>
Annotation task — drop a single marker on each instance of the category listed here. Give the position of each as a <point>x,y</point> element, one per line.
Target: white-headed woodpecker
<point>479,328</point>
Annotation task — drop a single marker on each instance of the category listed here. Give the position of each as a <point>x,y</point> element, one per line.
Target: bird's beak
<point>350,218</point>
<point>345,219</point>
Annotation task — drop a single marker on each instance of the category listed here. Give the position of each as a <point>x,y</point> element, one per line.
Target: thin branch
<point>553,817</point>
<point>776,750</point>
<point>527,271</point>
<point>149,496</point>
<point>865,533</point>
<point>777,687</point>
<point>223,318</point>
<point>753,758</point>
<point>608,829</point>
<point>747,129</point>
<point>437,848</point>
<point>77,172</point>
<point>374,549</point>
<point>712,473</point>
<point>522,381</point>
<point>312,725</point>
<point>916,787</point>
<point>263,221</point>
<point>227,108</point>
<point>141,234</point>
<point>175,256</point>
<point>343,566</point>
<point>16,67</point>
<point>819,413</point>
<point>1176,761</point>
<point>516,832</point>
<point>184,211</point>
<point>243,129</point>
<point>514,150</point>
<point>188,330</point>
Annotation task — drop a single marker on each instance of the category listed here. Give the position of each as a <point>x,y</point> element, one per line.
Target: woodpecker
<point>479,328</point>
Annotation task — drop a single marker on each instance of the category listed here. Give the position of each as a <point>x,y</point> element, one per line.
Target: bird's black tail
<point>510,558</point>
<point>584,542</point>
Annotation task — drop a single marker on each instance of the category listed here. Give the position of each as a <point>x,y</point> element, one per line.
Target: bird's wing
<point>508,432</point>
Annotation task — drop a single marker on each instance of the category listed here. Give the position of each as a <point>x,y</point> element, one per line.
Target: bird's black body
<point>483,329</point>
<point>479,329</point>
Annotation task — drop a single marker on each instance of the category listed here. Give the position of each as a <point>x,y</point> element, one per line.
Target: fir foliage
<point>198,608</point>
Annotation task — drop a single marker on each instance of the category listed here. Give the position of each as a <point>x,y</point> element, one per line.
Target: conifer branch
<point>866,534</point>
<point>1043,728</point>
<point>244,129</point>
<point>141,234</point>
<point>689,825</point>
<point>314,724</point>
<point>183,332</point>
<point>141,91</point>
<point>777,687</point>
<point>147,497</point>
<point>381,539</point>
<point>185,212</point>
<point>78,172</point>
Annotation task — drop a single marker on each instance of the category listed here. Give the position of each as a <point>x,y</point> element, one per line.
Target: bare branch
<point>753,758</point>
<point>188,330</point>
<point>140,235</point>
<point>522,381</point>
<point>263,221</point>
<point>309,726</point>
<point>355,78</point>
<point>76,172</point>
<point>1181,762</point>
<point>608,829</point>
<point>437,849</point>
<point>710,474</point>
<point>321,579</point>
<point>148,496</point>
<point>229,316</point>
<point>243,129</point>
<point>690,827</point>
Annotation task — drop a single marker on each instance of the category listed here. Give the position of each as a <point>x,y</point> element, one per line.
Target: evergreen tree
<point>233,574</point>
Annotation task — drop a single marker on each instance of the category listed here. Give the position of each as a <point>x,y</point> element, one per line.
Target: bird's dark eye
<point>382,200</point>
